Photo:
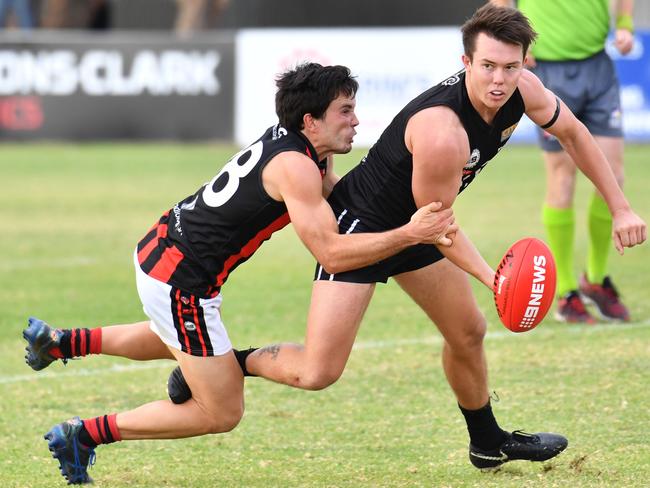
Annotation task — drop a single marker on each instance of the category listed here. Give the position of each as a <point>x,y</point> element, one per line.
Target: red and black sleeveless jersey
<point>378,190</point>
<point>202,239</point>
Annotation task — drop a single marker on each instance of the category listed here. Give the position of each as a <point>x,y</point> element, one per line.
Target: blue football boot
<point>41,339</point>
<point>74,458</point>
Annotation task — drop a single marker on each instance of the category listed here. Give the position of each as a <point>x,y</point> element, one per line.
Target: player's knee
<point>477,332</point>
<point>472,336</point>
<point>560,189</point>
<point>319,379</point>
<point>225,420</point>
<point>231,420</point>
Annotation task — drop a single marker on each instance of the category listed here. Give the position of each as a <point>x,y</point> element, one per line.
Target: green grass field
<point>71,217</point>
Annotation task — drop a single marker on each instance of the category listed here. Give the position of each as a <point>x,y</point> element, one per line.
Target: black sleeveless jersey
<point>202,239</point>
<point>378,190</point>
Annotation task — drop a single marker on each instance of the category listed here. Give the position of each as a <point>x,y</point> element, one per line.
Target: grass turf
<point>71,217</point>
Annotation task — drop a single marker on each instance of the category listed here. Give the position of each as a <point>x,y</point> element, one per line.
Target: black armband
<point>555,115</point>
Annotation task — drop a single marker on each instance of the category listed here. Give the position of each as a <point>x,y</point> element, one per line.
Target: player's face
<point>493,72</point>
<point>337,125</point>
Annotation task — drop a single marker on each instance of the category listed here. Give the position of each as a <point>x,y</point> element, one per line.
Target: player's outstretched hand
<point>628,230</point>
<point>435,226</point>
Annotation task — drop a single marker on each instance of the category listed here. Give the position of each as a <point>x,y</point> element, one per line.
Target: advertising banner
<point>634,75</point>
<point>393,66</point>
<point>83,86</point>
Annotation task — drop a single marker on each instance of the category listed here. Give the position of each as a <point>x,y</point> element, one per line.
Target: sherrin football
<point>524,284</point>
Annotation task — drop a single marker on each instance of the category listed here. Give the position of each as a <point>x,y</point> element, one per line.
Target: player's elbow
<point>332,267</point>
<point>331,260</point>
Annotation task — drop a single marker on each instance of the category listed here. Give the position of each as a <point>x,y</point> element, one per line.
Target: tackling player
<point>186,257</point>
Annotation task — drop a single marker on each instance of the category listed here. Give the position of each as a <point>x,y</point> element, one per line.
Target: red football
<point>524,284</point>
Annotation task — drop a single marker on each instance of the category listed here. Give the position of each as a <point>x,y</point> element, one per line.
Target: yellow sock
<point>560,224</point>
<point>600,232</point>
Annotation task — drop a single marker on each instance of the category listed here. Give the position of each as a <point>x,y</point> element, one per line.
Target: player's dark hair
<point>504,24</point>
<point>309,89</point>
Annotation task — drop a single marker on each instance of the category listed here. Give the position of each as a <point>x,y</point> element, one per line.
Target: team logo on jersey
<point>191,326</point>
<point>505,135</point>
<point>177,216</point>
<point>279,131</point>
<point>474,158</point>
<point>189,205</point>
<point>452,80</point>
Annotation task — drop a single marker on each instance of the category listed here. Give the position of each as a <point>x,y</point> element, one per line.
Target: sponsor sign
<point>106,87</point>
<point>155,86</point>
<point>392,67</point>
<point>634,75</point>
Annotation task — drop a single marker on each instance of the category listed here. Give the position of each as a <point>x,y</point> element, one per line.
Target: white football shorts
<point>182,320</point>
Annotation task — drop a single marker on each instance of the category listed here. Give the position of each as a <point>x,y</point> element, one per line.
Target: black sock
<point>85,437</point>
<point>484,432</point>
<point>241,359</point>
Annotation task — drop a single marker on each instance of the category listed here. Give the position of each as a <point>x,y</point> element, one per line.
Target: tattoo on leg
<point>273,350</point>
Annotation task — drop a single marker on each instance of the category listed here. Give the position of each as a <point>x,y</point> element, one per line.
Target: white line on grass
<point>364,345</point>
<point>73,262</point>
<point>504,334</point>
<point>81,371</point>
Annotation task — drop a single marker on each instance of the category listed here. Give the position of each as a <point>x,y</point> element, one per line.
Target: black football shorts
<point>410,259</point>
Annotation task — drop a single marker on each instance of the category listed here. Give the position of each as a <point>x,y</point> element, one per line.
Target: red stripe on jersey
<point>161,233</point>
<point>167,264</point>
<point>181,322</point>
<point>198,326</point>
<point>251,246</point>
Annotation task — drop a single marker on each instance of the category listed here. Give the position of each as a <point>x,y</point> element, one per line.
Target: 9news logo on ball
<point>524,284</point>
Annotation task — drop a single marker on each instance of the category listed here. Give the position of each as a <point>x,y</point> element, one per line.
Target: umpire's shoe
<point>519,445</point>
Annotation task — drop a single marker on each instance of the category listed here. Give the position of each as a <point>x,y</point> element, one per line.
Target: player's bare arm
<point>440,149</point>
<point>292,177</point>
<point>542,107</point>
